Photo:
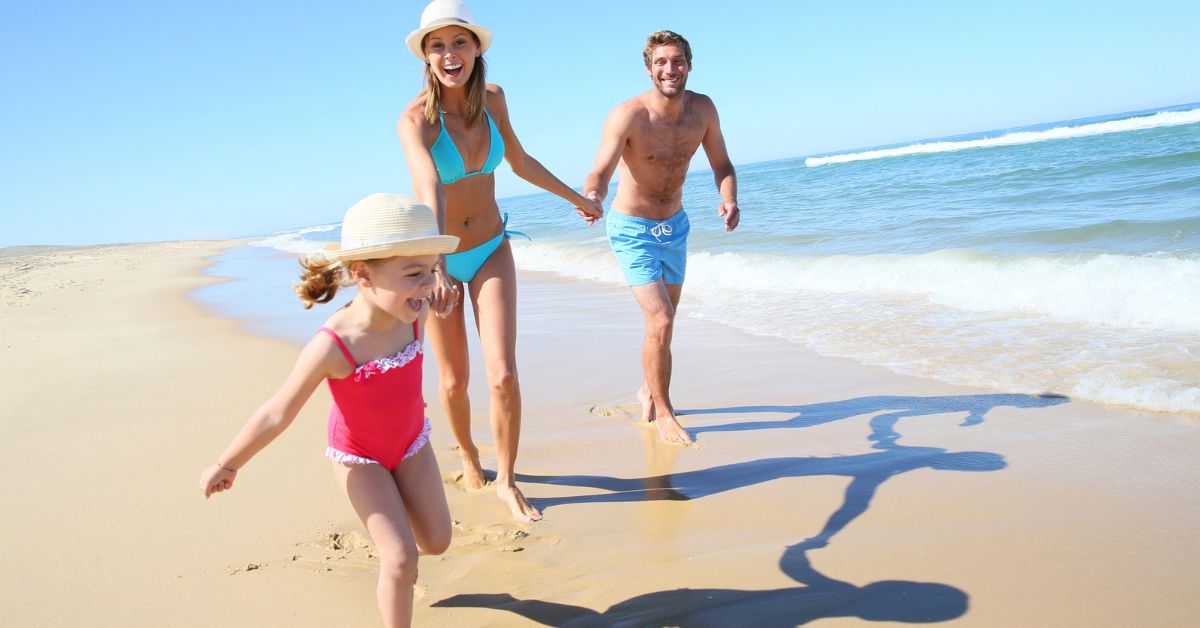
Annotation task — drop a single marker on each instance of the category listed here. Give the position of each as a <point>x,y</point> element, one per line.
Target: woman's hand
<point>446,294</point>
<point>217,478</point>
<point>589,208</point>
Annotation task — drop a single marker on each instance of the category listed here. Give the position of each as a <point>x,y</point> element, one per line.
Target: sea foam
<point>1108,328</point>
<point>295,240</point>
<point>1138,123</point>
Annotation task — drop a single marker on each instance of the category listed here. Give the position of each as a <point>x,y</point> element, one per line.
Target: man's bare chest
<point>665,145</point>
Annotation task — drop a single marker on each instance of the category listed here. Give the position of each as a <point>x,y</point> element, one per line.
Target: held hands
<point>590,209</point>
<point>216,478</point>
<point>445,296</point>
<point>731,214</point>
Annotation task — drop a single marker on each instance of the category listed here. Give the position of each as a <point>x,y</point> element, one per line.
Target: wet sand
<point>820,489</point>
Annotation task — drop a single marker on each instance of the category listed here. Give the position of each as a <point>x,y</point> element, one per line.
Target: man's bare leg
<point>658,302</point>
<point>644,398</point>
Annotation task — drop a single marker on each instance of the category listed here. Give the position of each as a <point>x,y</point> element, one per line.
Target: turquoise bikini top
<point>449,161</point>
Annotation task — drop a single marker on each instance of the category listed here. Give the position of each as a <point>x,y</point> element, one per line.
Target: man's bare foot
<point>643,396</point>
<point>472,476</point>
<point>522,510</point>
<point>671,431</point>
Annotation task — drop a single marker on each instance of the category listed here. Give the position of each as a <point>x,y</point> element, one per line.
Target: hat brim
<point>414,38</point>
<point>429,245</point>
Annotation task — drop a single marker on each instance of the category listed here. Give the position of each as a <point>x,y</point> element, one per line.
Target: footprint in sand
<point>331,551</point>
<point>497,536</point>
<point>621,410</point>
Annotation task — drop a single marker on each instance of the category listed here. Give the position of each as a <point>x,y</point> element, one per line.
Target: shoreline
<point>821,488</point>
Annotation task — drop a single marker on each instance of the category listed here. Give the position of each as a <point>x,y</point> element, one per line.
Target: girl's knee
<point>437,543</point>
<point>399,565</point>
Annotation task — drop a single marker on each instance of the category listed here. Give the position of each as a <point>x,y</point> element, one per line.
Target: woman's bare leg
<point>494,297</point>
<point>448,340</point>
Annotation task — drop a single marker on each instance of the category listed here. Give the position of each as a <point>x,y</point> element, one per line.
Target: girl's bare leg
<point>420,485</point>
<point>373,493</point>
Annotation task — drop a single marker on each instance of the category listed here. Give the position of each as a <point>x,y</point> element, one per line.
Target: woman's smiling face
<point>451,52</point>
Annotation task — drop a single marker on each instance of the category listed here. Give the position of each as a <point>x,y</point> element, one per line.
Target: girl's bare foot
<point>522,510</point>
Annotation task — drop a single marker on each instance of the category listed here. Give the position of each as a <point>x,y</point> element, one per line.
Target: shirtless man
<point>653,137</point>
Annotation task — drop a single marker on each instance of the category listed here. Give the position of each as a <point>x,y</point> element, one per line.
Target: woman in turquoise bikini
<point>454,135</point>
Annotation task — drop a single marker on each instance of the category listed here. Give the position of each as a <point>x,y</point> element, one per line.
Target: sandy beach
<point>821,491</point>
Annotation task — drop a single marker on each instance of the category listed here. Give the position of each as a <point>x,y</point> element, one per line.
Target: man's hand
<point>731,214</point>
<point>589,208</point>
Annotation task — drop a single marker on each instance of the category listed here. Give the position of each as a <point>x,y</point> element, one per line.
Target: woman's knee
<point>502,379</point>
<point>454,383</point>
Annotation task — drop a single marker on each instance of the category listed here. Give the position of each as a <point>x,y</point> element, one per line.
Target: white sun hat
<point>383,225</point>
<point>442,13</point>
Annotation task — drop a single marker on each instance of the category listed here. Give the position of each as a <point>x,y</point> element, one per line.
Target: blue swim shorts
<point>648,249</point>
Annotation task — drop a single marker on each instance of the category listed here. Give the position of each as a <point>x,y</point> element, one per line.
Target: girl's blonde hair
<point>320,280</point>
<point>476,91</point>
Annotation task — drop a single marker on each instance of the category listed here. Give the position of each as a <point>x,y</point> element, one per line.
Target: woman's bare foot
<point>522,510</point>
<point>472,477</point>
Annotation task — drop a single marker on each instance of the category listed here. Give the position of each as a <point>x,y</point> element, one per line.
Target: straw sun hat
<point>383,225</point>
<point>442,13</point>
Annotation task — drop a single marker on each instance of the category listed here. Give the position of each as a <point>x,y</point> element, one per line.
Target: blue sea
<point>1061,257</point>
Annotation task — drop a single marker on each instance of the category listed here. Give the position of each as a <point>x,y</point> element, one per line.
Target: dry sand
<point>821,490</point>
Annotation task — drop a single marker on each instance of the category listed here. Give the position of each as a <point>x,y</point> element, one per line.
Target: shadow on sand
<point>896,407</point>
<point>821,596</point>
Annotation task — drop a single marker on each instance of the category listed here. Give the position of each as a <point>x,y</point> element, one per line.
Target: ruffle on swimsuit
<point>378,413</point>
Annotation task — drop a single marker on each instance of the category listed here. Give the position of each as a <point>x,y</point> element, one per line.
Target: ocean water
<point>1062,257</point>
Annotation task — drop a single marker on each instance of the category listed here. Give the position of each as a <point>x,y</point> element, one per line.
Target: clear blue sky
<point>135,121</point>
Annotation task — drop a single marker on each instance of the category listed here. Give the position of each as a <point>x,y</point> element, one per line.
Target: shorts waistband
<point>648,222</point>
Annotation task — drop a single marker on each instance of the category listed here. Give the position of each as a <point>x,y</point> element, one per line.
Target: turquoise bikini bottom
<point>464,264</point>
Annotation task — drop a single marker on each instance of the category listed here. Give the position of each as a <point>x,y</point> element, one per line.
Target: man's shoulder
<point>631,106</point>
<point>625,113</point>
<point>701,101</point>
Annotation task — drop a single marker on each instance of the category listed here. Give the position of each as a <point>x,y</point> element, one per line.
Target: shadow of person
<point>976,408</point>
<point>821,597</point>
<point>867,473</point>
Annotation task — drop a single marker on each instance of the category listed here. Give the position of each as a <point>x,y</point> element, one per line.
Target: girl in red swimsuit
<point>370,353</point>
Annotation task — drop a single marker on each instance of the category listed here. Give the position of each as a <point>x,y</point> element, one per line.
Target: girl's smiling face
<point>398,285</point>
